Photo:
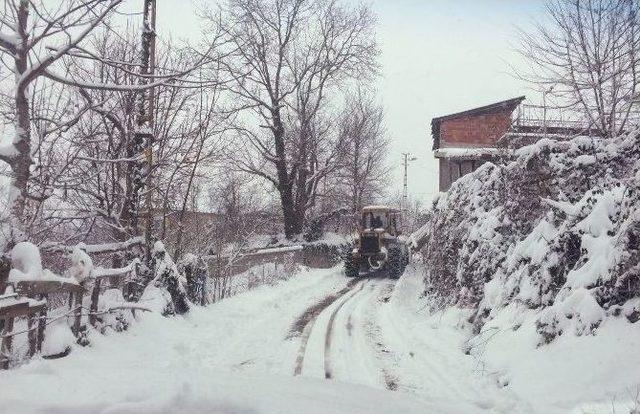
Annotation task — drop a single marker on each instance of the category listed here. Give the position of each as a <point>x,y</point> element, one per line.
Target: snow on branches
<point>556,229</point>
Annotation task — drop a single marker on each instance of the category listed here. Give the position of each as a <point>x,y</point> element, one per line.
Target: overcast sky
<point>438,57</point>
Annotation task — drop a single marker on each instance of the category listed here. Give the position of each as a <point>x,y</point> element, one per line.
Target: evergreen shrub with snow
<point>166,293</point>
<point>556,228</point>
<point>196,273</point>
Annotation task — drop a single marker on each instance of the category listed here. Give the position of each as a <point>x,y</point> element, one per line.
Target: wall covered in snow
<point>556,229</point>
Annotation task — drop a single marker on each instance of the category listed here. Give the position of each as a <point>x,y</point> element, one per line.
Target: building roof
<point>509,104</point>
<point>467,153</point>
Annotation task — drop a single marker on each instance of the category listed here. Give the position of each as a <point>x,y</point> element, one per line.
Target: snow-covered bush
<point>557,227</point>
<point>166,293</point>
<point>120,320</point>
<point>26,262</point>
<point>58,340</point>
<point>195,271</point>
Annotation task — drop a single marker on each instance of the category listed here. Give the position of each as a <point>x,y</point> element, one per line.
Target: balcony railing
<point>538,118</point>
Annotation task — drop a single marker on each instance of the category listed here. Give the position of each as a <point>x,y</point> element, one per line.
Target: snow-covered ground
<point>236,356</point>
<point>321,343</point>
<point>586,374</point>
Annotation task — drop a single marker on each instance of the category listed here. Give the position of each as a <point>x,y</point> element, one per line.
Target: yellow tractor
<point>378,246</point>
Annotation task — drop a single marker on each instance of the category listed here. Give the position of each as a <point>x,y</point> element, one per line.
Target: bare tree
<point>98,188</point>
<point>365,173</point>
<point>77,97</point>
<point>207,130</point>
<point>235,199</point>
<point>27,28</point>
<point>289,58</point>
<point>588,58</point>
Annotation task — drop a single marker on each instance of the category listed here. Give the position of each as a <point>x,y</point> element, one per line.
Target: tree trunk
<point>291,217</point>
<point>21,161</point>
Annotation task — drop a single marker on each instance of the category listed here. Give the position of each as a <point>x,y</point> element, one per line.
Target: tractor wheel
<point>351,266</point>
<point>396,262</point>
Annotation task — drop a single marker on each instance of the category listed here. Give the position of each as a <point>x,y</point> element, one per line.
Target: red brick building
<point>465,140</point>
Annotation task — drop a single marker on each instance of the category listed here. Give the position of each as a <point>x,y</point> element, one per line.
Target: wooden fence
<point>29,300</point>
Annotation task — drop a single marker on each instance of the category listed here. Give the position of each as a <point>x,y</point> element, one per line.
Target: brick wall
<point>475,130</point>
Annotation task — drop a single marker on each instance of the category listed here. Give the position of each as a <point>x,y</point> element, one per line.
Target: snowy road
<point>368,334</point>
<point>318,342</point>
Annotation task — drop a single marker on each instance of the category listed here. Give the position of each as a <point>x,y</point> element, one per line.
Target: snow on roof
<point>467,152</point>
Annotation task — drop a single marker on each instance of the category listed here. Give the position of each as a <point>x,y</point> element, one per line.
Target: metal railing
<point>541,118</point>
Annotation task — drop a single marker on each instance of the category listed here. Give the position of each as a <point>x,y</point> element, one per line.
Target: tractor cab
<point>380,219</point>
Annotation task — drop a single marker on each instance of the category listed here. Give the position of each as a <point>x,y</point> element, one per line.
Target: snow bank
<point>556,229</point>
<point>572,374</point>
<point>504,364</point>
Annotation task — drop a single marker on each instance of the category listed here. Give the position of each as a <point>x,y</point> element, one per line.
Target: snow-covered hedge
<point>556,228</point>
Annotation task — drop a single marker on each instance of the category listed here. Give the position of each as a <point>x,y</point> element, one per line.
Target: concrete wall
<point>452,169</point>
<point>314,255</point>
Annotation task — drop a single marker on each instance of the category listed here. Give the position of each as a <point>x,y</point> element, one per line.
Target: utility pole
<point>143,136</point>
<point>407,157</point>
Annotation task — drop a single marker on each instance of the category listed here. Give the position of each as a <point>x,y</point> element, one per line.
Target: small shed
<point>465,140</point>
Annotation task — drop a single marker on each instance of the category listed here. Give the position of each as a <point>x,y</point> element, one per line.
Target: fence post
<point>33,334</point>
<point>202,279</point>
<point>95,296</point>
<point>7,341</point>
<point>42,323</point>
<point>77,312</point>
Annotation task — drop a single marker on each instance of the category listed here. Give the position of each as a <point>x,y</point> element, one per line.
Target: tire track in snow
<point>361,306</point>
<point>418,364</point>
<point>328,370</point>
<point>303,326</point>
<point>384,354</point>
